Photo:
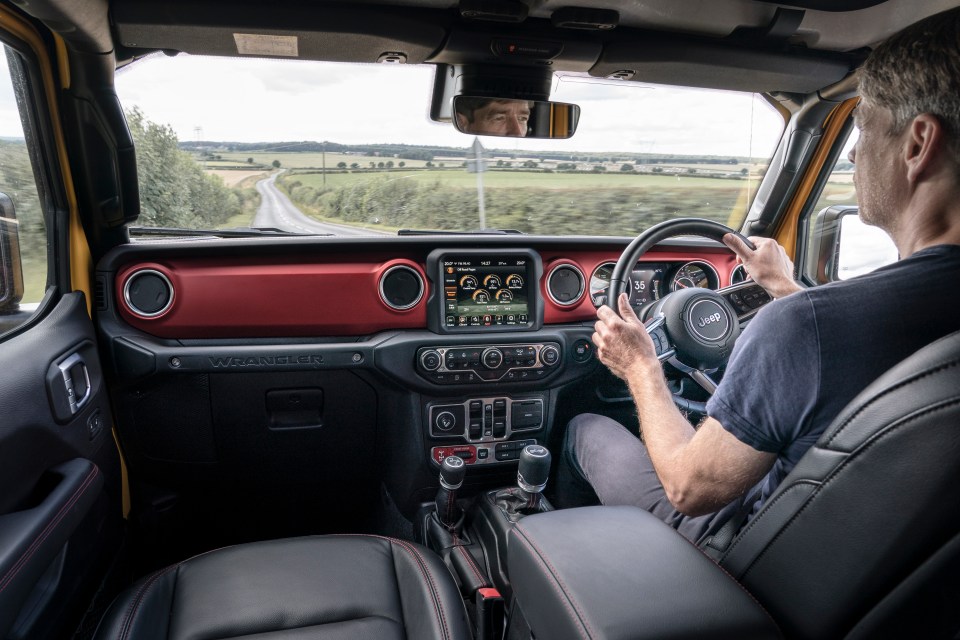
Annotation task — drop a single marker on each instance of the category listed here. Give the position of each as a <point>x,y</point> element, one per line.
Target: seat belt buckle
<point>490,614</point>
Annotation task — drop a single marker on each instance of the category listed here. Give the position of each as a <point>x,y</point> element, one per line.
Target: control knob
<point>492,358</point>
<point>549,355</point>
<point>430,360</point>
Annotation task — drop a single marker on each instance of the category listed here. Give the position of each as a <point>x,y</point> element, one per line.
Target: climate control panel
<point>467,364</point>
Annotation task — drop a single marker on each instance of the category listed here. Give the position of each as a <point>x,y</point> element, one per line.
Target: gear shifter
<point>532,474</point>
<point>534,469</point>
<point>452,471</point>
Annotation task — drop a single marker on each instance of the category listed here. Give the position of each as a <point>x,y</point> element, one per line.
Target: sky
<point>259,100</point>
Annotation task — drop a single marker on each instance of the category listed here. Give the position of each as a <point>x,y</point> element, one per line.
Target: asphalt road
<point>278,212</point>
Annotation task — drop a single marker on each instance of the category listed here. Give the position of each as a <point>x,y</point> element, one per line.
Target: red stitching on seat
<point>137,599</point>
<point>433,587</point>
<point>15,569</point>
<point>560,586</point>
<point>424,571</point>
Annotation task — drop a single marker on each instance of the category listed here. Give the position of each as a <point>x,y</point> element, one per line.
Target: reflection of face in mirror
<point>492,117</point>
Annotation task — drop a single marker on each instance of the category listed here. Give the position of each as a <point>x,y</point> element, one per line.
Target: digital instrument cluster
<point>651,280</point>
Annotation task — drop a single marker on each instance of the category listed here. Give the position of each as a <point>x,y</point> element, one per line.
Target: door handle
<point>76,381</point>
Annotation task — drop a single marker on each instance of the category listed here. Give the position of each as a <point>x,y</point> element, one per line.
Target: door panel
<point>60,508</point>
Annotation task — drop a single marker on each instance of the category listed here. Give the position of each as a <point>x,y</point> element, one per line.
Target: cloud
<point>258,100</point>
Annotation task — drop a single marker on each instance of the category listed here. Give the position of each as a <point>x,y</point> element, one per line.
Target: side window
<point>23,230</point>
<point>839,245</point>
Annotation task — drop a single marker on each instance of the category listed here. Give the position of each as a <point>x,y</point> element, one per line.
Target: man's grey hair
<point>918,71</point>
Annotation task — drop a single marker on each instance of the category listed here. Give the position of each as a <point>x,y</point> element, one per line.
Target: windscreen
<point>349,149</point>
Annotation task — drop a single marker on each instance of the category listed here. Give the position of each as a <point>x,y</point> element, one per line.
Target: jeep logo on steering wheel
<point>710,319</point>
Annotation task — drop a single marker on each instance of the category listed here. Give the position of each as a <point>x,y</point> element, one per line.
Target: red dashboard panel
<point>227,299</point>
<point>587,262</point>
<point>337,296</point>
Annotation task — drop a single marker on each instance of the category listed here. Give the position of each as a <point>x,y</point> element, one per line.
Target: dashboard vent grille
<point>148,293</point>
<point>565,285</point>
<point>401,287</point>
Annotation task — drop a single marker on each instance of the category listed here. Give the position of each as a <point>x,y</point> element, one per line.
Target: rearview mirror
<point>504,117</point>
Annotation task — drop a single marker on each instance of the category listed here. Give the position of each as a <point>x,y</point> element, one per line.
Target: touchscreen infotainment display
<point>486,291</point>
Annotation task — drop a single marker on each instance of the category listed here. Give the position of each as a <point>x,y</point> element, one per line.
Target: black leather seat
<point>331,587</point>
<point>860,540</point>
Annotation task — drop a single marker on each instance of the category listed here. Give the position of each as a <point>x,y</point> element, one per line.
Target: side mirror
<point>507,117</point>
<point>843,246</point>
<point>862,248</point>
<point>11,269</point>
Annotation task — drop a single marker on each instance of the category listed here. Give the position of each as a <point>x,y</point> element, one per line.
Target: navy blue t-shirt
<point>804,357</point>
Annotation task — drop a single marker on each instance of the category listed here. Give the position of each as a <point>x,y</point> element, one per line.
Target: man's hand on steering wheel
<point>768,264</point>
<point>623,343</point>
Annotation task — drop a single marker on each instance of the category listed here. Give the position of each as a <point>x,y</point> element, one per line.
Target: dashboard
<point>447,290</point>
<point>422,347</point>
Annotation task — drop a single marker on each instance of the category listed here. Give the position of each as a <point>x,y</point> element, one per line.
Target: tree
<point>275,164</point>
<point>744,171</point>
<point>658,169</point>
<point>626,166</point>
<point>530,164</point>
<point>174,189</point>
<point>691,170</point>
<point>249,160</point>
<point>599,167</point>
<point>341,165</point>
<point>429,164</point>
<point>354,165</point>
<point>401,164</point>
<point>389,164</point>
<point>380,165</point>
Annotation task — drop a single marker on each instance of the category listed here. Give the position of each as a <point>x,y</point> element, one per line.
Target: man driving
<point>807,354</point>
<point>493,117</point>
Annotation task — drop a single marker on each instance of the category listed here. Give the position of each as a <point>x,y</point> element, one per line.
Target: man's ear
<point>462,122</point>
<point>923,146</point>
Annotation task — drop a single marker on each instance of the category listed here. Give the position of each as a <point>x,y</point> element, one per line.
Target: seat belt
<point>717,544</point>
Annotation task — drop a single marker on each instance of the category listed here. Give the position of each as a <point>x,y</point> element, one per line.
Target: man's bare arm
<point>701,470</point>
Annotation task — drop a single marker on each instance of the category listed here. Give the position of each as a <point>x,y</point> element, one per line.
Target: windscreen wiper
<point>474,232</point>
<point>236,232</point>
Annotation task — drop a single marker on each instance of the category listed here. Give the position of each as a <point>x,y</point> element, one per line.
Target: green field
<point>305,160</point>
<point>499,179</point>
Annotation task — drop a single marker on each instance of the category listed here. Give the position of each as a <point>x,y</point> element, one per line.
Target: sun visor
<point>305,31</point>
<point>660,59</point>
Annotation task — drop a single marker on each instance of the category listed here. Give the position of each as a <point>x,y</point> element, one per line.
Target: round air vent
<point>148,293</point>
<point>401,287</point>
<point>565,285</point>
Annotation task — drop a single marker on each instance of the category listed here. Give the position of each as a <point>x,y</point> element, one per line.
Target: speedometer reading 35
<point>644,285</point>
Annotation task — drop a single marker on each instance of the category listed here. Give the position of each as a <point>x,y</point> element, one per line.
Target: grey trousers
<point>602,462</point>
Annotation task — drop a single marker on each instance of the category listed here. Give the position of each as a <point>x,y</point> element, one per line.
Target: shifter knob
<point>452,472</point>
<point>534,468</point>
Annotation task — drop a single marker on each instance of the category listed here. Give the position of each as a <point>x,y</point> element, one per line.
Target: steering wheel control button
<point>708,320</point>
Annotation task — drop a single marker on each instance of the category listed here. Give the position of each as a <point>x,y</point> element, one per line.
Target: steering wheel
<point>694,329</point>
